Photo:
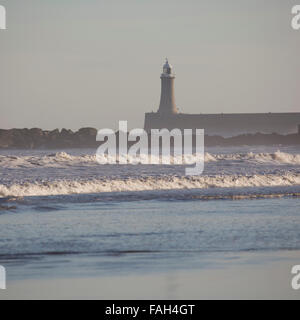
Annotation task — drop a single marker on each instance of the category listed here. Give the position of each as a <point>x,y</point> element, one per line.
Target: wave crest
<point>64,187</point>
<point>63,159</point>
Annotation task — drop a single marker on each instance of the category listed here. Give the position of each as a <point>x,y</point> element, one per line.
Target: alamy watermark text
<point>296,17</point>
<point>296,279</point>
<point>2,18</point>
<point>161,147</point>
<point>2,278</point>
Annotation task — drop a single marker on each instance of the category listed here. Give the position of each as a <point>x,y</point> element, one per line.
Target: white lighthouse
<point>167,104</point>
<point>224,124</point>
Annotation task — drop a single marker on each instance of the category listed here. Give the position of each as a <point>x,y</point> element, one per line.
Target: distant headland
<point>36,138</point>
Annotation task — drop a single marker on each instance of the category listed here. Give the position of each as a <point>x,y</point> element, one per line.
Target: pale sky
<point>72,64</point>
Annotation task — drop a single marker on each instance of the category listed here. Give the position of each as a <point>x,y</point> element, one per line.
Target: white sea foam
<point>63,159</point>
<point>62,187</point>
<point>276,157</point>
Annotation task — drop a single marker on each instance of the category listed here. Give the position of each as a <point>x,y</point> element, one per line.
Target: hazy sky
<point>82,63</point>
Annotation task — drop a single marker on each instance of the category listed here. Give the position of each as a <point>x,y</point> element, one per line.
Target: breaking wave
<point>63,159</point>
<point>276,157</point>
<point>65,187</point>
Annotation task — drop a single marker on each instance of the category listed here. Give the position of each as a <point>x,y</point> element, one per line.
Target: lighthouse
<point>214,124</point>
<point>167,104</point>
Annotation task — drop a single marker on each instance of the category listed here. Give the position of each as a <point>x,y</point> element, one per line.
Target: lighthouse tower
<point>167,99</point>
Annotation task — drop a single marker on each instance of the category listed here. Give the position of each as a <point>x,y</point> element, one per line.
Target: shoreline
<point>38,139</point>
<point>241,275</point>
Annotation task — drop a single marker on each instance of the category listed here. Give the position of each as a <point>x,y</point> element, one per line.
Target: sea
<point>63,215</point>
